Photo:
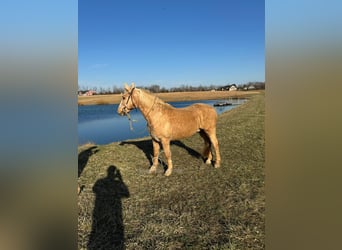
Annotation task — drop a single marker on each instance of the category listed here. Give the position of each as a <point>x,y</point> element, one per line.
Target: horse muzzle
<point>123,111</point>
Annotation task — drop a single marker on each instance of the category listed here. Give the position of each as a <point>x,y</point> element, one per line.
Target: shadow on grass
<point>83,158</point>
<point>191,151</point>
<point>108,227</point>
<point>147,147</point>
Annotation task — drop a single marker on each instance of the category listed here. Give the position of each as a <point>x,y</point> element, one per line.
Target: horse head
<point>127,103</point>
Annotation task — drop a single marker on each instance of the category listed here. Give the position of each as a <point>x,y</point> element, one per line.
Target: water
<point>100,124</point>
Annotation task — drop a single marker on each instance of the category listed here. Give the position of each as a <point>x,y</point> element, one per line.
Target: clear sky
<point>170,42</point>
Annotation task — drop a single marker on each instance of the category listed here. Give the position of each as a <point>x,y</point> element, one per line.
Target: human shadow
<point>108,227</point>
<point>147,147</point>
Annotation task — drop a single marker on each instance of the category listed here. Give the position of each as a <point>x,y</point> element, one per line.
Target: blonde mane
<point>157,99</point>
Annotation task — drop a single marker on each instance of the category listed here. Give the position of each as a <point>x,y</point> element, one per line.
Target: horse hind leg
<point>213,139</point>
<point>207,155</point>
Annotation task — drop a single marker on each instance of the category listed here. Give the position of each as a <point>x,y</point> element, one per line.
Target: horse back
<point>189,120</point>
<point>206,114</point>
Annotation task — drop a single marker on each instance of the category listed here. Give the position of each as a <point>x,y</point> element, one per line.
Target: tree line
<point>155,88</point>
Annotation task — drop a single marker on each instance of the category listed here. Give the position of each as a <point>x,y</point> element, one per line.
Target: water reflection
<point>100,124</point>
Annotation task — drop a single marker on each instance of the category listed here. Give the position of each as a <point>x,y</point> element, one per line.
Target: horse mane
<point>157,99</point>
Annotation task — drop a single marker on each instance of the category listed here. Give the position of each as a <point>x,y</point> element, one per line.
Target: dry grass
<point>168,97</point>
<point>197,207</point>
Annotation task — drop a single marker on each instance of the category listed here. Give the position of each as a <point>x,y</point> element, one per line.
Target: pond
<point>100,124</point>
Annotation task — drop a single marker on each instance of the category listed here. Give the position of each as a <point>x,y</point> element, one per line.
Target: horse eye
<point>123,98</point>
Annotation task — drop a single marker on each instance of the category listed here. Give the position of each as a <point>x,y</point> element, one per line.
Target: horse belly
<point>184,129</point>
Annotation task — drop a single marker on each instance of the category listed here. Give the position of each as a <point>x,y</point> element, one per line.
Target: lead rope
<point>131,125</point>
<point>128,115</point>
<point>130,121</point>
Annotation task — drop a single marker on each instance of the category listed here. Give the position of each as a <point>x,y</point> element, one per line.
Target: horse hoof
<point>153,170</point>
<point>168,172</point>
<point>208,162</point>
<point>217,165</point>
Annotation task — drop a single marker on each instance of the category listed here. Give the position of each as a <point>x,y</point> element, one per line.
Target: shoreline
<point>168,97</point>
<point>147,137</point>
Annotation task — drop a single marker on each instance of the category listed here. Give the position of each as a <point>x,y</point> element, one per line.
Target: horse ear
<point>132,85</point>
<point>127,88</point>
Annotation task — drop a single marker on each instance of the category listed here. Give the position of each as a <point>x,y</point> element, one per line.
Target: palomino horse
<point>167,123</point>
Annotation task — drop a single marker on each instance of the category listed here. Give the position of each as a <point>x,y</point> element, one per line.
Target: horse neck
<point>146,103</point>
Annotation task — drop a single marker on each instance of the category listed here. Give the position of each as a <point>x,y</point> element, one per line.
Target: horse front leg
<point>155,160</point>
<point>167,152</point>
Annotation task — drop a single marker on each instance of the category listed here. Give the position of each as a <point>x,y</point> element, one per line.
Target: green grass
<point>197,207</point>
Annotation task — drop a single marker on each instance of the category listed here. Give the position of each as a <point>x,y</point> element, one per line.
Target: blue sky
<point>170,42</point>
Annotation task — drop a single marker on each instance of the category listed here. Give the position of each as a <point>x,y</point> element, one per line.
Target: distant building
<point>232,88</point>
<point>86,92</point>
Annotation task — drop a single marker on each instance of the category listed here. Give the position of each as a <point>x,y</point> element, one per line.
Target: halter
<point>130,96</point>
<point>125,109</point>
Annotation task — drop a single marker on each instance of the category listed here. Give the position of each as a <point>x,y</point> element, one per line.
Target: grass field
<point>197,207</point>
<point>168,97</point>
